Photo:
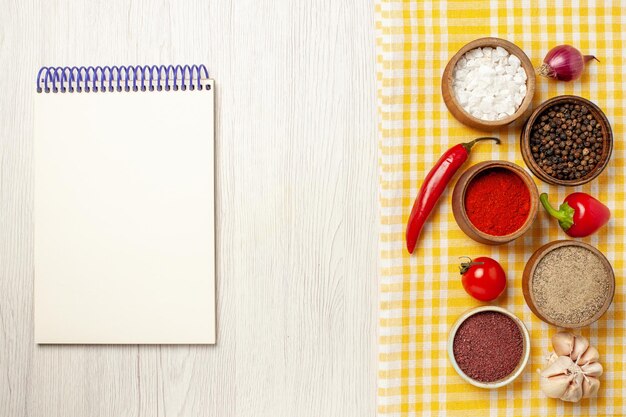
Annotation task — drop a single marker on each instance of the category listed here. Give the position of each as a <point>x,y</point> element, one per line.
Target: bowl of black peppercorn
<point>567,141</point>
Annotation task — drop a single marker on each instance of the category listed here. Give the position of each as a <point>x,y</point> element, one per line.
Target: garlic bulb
<point>573,369</point>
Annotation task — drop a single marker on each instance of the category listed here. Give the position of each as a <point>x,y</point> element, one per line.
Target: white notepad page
<point>124,217</point>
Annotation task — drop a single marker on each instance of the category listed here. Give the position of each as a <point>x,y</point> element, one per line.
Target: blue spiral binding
<point>121,78</point>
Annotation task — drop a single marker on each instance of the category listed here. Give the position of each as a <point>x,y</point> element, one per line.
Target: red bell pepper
<point>434,185</point>
<point>580,214</point>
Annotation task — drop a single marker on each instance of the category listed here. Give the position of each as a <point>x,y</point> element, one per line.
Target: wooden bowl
<point>457,110</point>
<point>529,271</point>
<point>458,202</point>
<point>606,131</point>
<point>520,366</point>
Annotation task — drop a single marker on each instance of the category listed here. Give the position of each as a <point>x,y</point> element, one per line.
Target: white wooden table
<point>296,209</point>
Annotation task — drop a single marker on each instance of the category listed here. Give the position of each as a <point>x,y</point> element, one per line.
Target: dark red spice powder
<point>488,346</point>
<point>497,202</point>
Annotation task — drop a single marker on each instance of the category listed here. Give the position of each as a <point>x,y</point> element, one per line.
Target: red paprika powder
<point>497,202</point>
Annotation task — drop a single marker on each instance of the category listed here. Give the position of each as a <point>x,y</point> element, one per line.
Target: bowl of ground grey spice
<point>568,283</point>
<point>489,347</point>
<point>567,141</point>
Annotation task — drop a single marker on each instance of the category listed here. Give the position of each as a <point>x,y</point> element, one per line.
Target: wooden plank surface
<point>296,209</point>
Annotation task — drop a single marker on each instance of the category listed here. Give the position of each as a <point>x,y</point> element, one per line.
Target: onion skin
<point>565,63</point>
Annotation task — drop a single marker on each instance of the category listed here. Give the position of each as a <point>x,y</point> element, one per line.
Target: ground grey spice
<point>570,285</point>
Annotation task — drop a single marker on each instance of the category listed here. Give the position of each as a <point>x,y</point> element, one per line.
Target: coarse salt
<point>489,83</point>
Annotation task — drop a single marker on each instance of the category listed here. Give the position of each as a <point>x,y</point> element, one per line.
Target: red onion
<point>565,63</point>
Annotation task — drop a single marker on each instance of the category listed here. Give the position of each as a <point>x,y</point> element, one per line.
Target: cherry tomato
<point>483,278</point>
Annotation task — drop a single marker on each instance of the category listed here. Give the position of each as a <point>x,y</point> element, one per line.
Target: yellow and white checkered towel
<point>421,295</point>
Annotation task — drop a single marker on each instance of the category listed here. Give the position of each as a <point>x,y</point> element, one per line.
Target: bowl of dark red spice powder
<point>495,202</point>
<point>567,141</point>
<point>568,283</point>
<point>489,346</point>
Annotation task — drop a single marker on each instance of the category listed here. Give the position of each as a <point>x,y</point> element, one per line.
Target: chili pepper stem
<point>468,146</point>
<point>565,214</point>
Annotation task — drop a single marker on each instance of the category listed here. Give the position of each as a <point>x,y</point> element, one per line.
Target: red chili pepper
<point>434,185</point>
<point>580,214</point>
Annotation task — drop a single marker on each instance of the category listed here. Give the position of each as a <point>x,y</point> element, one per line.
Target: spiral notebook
<point>124,205</point>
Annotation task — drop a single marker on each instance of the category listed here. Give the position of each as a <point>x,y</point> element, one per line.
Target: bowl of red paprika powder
<point>495,202</point>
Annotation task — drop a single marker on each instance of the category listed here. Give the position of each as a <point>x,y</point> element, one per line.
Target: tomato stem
<point>465,266</point>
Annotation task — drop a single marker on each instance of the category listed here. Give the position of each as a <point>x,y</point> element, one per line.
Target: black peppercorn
<point>567,141</point>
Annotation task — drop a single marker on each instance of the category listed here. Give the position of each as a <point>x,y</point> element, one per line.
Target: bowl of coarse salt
<point>489,83</point>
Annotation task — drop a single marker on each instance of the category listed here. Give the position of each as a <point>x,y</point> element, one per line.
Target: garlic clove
<point>591,386</point>
<point>555,387</point>
<point>592,369</point>
<point>553,357</point>
<point>578,379</point>
<point>558,367</point>
<point>563,343</point>
<point>580,346</point>
<point>590,355</point>
<point>574,391</point>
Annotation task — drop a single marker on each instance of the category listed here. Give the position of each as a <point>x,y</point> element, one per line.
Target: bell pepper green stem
<point>565,213</point>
